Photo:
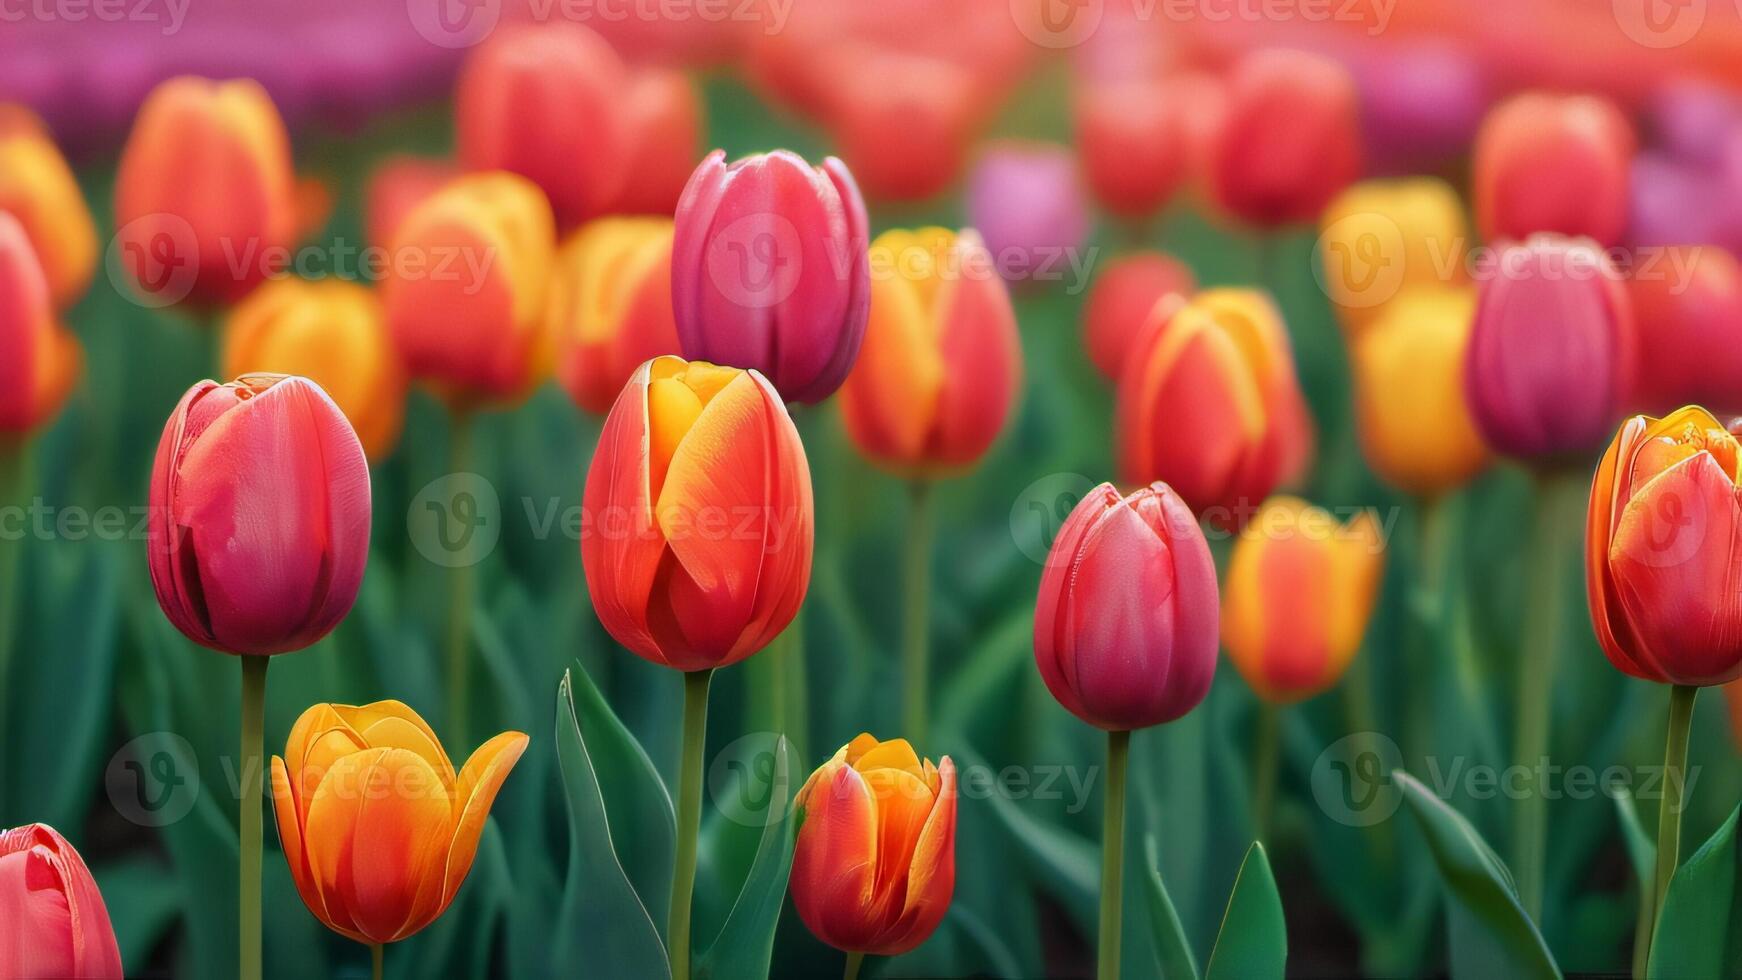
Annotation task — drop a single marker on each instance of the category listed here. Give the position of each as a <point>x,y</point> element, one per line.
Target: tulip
<point>332,332</point>
<point>1692,119</point>
<point>1415,425</point>
<point>378,829</point>
<point>875,862</point>
<point>1672,204</point>
<point>1131,141</point>
<point>38,188</point>
<point>39,358</point>
<point>1550,364</point>
<point>56,923</point>
<point>1381,237</point>
<point>205,195</point>
<point>466,287</point>
<point>1421,102</point>
<point>1553,163</point>
<point>610,306</point>
<point>1208,403</point>
<point>769,270</point>
<point>396,187</point>
<point>1289,139</point>
<point>547,102</point>
<point>1688,304</point>
<point>1120,301</point>
<point>664,116</point>
<point>1026,200</point>
<point>935,103</point>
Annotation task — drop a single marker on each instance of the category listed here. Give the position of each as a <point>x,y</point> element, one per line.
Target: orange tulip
<point>56,922</point>
<point>941,362</point>
<point>1299,593</point>
<point>701,521</point>
<point>38,188</point>
<point>875,864</point>
<point>1663,547</point>
<point>610,306</point>
<point>1381,237</point>
<point>1121,299</point>
<point>378,829</point>
<point>39,359</point>
<point>1208,404</point>
<point>205,196</point>
<point>1552,163</point>
<point>664,120</point>
<point>398,185</point>
<point>332,332</point>
<point>466,285</point>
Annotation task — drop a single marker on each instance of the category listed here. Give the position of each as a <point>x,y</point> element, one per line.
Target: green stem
<point>1363,720</point>
<point>253,763</point>
<point>1430,625</point>
<point>1669,813</point>
<point>377,957</point>
<point>689,818</point>
<point>15,485</point>
<point>1113,856</point>
<point>916,572</point>
<point>462,588</point>
<point>854,962</point>
<point>1266,746</point>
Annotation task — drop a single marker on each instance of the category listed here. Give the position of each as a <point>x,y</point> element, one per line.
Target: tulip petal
<point>834,867</point>
<point>289,818</point>
<point>931,879</point>
<point>622,550</point>
<point>1052,614</point>
<point>1121,609</point>
<point>480,780</point>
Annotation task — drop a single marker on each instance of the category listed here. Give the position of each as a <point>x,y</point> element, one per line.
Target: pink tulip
<point>52,919</point>
<point>1028,203</point>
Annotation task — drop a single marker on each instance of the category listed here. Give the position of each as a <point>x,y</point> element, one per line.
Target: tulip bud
<point>378,829</point>
<point>259,525</point>
<point>874,866</point>
<point>38,188</point>
<point>1550,365</point>
<point>332,332</point>
<point>769,270</point>
<point>205,195</point>
<point>1299,593</point>
<point>398,186</point>
<point>1209,404</point>
<point>1125,627</point>
<point>1688,305</point>
<point>942,360</point>
<point>1415,424</point>
<point>466,287</point>
<point>546,102</point>
<point>39,358</point>
<point>699,501</point>
<point>1289,140</point>
<point>1120,301</point>
<point>1553,163</point>
<point>56,922</point>
<point>1381,237</point>
<point>1131,140</point>
<point>1663,562</point>
<point>1027,202</point>
<point>610,306</point>
<point>664,126</point>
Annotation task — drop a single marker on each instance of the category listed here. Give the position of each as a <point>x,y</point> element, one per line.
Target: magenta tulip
<point>52,919</point>
<point>1028,203</point>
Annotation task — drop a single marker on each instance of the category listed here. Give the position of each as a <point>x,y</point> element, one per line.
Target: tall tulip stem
<point>915,662</point>
<point>855,961</point>
<point>253,763</point>
<point>689,818</point>
<point>377,954</point>
<point>1669,813</point>
<point>462,585</point>
<point>15,481</point>
<point>1113,856</point>
<point>1266,749</point>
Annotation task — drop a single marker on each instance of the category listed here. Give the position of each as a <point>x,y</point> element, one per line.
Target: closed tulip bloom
<point>874,867</point>
<point>699,501</point>
<point>466,286</point>
<point>259,525</point>
<point>547,102</point>
<point>1125,627</point>
<point>56,923</point>
<point>936,104</point>
<point>1663,564</point>
<point>1289,138</point>
<point>664,124</point>
<point>1551,358</point>
<point>38,188</point>
<point>1131,139</point>
<point>769,270</point>
<point>942,361</point>
<point>377,827</point>
<point>1209,404</point>
<point>1299,593</point>
<point>1689,309</point>
<point>610,306</point>
<point>1027,201</point>
<point>397,186</point>
<point>205,195</point>
<point>1381,237</point>
<point>39,358</point>
<point>1415,423</point>
<point>1121,299</point>
<point>332,332</point>
<point>1553,163</point>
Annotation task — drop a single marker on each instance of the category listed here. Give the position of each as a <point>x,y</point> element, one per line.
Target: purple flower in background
<point>1692,121</point>
<point>1421,103</point>
<point>1027,202</point>
<point>1675,203</point>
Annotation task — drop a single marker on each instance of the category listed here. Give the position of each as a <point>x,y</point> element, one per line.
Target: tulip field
<point>722,490</point>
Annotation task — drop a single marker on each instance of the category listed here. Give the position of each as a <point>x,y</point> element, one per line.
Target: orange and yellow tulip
<point>610,306</point>
<point>38,188</point>
<point>332,332</point>
<point>1381,237</point>
<point>698,518</point>
<point>875,864</point>
<point>39,358</point>
<point>1300,590</point>
<point>377,827</point>
<point>941,362</point>
<point>1121,299</point>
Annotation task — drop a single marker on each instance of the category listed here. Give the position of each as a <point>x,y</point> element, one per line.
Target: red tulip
<point>39,358</point>
<point>1289,138</point>
<point>934,103</point>
<point>55,923</point>
<point>398,186</point>
<point>1553,163</point>
<point>664,121</point>
<point>1120,301</point>
<point>1688,304</point>
<point>259,525</point>
<point>1131,137</point>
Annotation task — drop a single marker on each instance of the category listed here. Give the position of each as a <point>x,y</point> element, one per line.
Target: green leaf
<point>142,898</point>
<point>1692,931</point>
<point>602,927</point>
<point>1066,866</point>
<point>1173,954</point>
<point>1253,942</point>
<point>1494,935</point>
<point>1641,850</point>
<point>745,945</point>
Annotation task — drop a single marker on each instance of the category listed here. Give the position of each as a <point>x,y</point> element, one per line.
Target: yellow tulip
<point>1380,237</point>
